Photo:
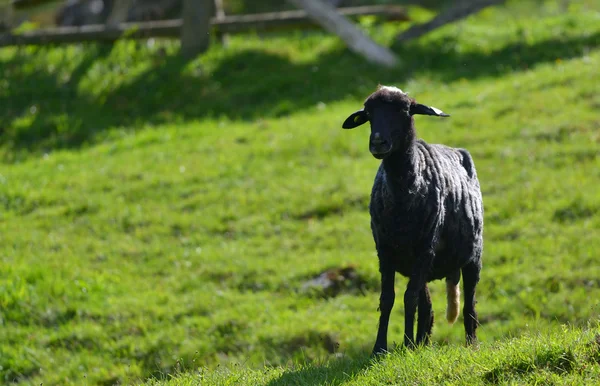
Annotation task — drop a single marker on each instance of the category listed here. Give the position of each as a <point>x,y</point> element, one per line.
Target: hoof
<point>379,352</point>
<point>473,344</point>
<point>410,345</point>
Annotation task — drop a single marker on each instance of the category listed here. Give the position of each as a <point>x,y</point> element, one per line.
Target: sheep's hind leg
<point>425,318</point>
<point>470,274</point>
<point>386,303</point>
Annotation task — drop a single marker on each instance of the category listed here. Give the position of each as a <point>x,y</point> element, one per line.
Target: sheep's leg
<point>386,303</point>
<point>411,298</point>
<point>470,279</point>
<point>416,285</point>
<point>425,318</point>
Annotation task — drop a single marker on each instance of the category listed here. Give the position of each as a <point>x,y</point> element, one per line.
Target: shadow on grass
<point>42,112</point>
<point>333,372</point>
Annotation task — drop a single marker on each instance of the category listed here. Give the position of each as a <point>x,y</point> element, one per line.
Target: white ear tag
<point>437,111</point>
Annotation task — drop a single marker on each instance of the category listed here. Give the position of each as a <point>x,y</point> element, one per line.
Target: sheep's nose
<point>377,140</point>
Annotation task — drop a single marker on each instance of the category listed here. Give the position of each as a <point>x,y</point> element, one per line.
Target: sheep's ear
<point>426,110</point>
<point>355,119</point>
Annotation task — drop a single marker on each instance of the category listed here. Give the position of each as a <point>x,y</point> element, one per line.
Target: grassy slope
<point>156,210</point>
<point>565,356</point>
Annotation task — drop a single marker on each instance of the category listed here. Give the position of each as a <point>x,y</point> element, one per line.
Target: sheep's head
<point>390,111</point>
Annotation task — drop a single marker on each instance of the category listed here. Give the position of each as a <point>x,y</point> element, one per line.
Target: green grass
<point>565,356</point>
<point>159,215</point>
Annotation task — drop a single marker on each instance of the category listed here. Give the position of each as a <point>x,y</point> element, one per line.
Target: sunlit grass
<point>160,215</point>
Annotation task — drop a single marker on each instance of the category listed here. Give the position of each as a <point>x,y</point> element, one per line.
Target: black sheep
<point>426,215</point>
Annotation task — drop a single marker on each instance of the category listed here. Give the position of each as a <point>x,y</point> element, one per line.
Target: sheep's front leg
<point>425,318</point>
<point>416,286</point>
<point>386,303</point>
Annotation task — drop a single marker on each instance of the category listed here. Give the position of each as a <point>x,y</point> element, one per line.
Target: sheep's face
<point>389,111</point>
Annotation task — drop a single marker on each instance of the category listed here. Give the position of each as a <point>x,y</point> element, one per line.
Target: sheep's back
<point>462,226</point>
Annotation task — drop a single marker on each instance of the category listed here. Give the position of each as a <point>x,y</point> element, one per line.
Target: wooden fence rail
<point>25,4</point>
<point>272,21</point>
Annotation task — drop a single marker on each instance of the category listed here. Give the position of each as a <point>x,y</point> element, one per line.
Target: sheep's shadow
<point>245,85</point>
<point>335,371</point>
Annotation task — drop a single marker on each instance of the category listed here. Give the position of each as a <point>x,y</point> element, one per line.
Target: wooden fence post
<point>195,31</point>
<point>220,15</point>
<point>332,21</point>
<point>459,10</point>
<point>118,13</point>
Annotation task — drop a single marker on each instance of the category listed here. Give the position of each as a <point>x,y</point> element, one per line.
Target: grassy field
<point>162,217</point>
<point>564,357</point>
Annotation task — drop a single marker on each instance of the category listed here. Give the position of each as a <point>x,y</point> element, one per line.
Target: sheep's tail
<point>453,296</point>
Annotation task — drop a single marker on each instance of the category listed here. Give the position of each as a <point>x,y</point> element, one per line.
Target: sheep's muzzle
<point>378,146</point>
